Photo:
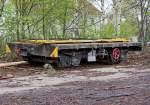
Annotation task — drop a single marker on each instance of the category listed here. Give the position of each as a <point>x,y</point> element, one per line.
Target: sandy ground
<point>95,84</point>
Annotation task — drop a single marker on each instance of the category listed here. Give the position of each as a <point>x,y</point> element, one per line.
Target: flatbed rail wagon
<point>66,53</point>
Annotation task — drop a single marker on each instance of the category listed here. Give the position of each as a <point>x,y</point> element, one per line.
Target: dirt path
<point>92,84</point>
<point>101,86</point>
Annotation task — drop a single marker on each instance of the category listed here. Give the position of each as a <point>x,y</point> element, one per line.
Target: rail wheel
<point>76,60</point>
<point>114,56</point>
<point>63,61</point>
<point>69,59</point>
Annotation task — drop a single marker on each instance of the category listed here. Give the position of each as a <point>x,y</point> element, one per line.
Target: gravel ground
<point>94,84</point>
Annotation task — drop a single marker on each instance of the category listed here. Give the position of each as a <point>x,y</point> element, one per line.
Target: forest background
<point>73,19</point>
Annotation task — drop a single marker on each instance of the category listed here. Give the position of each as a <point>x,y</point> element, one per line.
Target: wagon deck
<point>97,45</point>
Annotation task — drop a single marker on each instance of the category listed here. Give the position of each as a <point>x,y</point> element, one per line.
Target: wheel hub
<point>116,53</point>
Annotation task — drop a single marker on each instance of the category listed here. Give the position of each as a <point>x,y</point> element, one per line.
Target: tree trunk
<point>12,64</point>
<point>117,17</point>
<point>64,23</point>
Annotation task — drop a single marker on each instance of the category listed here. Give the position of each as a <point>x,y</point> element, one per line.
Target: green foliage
<point>108,30</point>
<point>46,19</point>
<point>129,28</point>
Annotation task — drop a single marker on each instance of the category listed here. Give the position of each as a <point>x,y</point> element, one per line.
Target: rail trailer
<point>67,53</point>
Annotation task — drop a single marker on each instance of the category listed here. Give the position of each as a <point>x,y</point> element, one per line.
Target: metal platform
<point>70,52</point>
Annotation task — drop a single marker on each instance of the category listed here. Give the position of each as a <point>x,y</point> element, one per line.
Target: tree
<point>144,20</point>
<point>117,16</point>
<point>2,4</point>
